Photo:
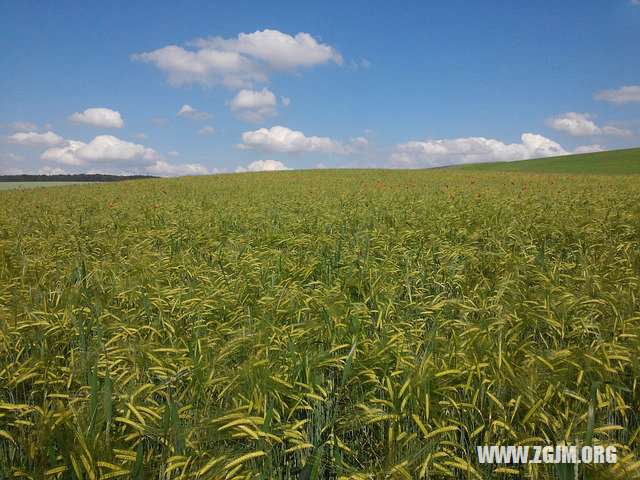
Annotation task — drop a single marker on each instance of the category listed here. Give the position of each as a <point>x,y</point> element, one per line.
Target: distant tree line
<point>76,177</point>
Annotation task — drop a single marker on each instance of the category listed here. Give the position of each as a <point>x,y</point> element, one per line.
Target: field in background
<point>318,324</point>
<point>25,185</point>
<point>613,162</point>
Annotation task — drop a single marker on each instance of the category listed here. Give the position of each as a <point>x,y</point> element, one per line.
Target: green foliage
<point>318,324</point>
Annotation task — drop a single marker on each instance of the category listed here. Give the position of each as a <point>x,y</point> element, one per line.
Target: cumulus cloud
<point>240,61</point>
<point>278,49</point>
<point>99,117</point>
<point>263,166</point>
<point>284,140</point>
<point>581,124</point>
<point>253,100</point>
<point>204,66</point>
<point>23,126</point>
<point>102,149</point>
<point>165,169</point>
<point>434,153</point>
<point>142,136</point>
<point>173,153</point>
<point>577,124</point>
<point>47,139</point>
<point>627,94</point>
<point>65,155</point>
<point>187,111</point>
<point>254,106</point>
<point>207,130</point>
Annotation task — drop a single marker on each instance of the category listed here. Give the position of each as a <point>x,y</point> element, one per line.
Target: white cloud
<point>48,139</point>
<point>173,153</point>
<point>634,2</point>
<point>113,170</point>
<point>589,149</point>
<point>23,126</point>
<point>254,106</point>
<point>65,155</point>
<point>435,153</point>
<point>277,49</point>
<point>241,61</point>
<point>284,140</point>
<point>286,101</point>
<point>99,117</point>
<point>102,149</point>
<point>253,100</point>
<point>263,166</point>
<point>165,169</point>
<point>187,111</point>
<point>618,132</point>
<point>580,125</point>
<point>12,171</point>
<point>47,170</point>
<point>627,94</point>
<point>359,143</point>
<point>160,121</point>
<point>577,124</point>
<point>142,136</point>
<point>207,130</point>
<point>204,66</point>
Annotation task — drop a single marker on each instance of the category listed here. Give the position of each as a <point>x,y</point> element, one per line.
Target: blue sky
<point>98,86</point>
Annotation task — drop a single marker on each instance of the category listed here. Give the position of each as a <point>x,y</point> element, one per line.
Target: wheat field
<point>360,324</point>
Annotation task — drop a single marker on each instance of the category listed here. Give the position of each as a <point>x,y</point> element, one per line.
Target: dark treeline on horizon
<point>76,177</point>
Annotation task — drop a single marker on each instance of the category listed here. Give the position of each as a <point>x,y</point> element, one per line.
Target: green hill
<point>614,161</point>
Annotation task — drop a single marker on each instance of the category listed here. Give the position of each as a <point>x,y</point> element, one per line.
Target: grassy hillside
<point>318,325</point>
<point>615,161</point>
